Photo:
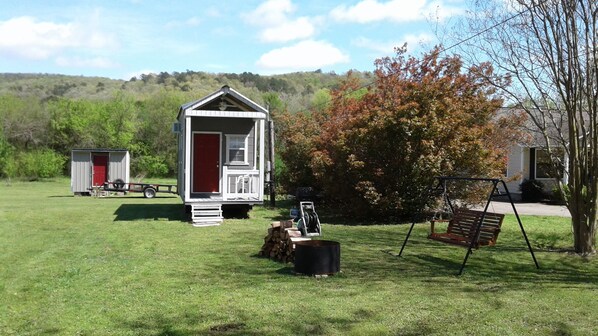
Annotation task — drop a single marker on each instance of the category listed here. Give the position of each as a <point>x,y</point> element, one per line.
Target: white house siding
<point>181,158</point>
<point>519,166</point>
<point>515,169</point>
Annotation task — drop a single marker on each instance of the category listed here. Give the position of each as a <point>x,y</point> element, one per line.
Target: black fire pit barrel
<point>317,257</point>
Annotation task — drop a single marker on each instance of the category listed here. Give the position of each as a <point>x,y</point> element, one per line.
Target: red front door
<point>206,162</point>
<point>100,169</point>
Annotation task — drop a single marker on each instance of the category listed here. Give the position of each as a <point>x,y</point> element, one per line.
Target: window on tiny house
<point>236,149</point>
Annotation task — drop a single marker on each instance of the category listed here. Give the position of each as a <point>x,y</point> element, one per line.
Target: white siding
<point>118,166</point>
<point>80,171</point>
<point>181,159</point>
<point>515,168</point>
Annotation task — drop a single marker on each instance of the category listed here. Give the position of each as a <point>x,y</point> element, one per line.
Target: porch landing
<point>207,210</point>
<point>219,199</point>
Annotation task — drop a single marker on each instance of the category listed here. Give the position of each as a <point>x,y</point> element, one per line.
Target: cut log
<point>279,243</point>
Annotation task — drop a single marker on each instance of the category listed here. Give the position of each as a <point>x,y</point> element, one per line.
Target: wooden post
<point>272,165</point>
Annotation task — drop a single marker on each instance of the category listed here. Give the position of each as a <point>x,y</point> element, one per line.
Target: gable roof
<point>224,102</point>
<point>556,127</point>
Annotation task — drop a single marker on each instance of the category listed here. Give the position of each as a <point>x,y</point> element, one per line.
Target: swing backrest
<point>462,228</point>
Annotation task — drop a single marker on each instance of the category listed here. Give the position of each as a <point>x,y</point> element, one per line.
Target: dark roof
<point>100,150</point>
<point>556,127</point>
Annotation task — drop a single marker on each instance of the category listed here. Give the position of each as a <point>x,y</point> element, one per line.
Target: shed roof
<point>224,102</point>
<point>100,150</point>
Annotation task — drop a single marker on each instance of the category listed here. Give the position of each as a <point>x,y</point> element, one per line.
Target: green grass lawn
<point>132,266</point>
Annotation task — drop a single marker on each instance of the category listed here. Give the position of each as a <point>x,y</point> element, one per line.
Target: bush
<point>532,191</point>
<point>6,158</point>
<point>374,153</point>
<point>150,166</point>
<point>557,196</point>
<point>41,163</point>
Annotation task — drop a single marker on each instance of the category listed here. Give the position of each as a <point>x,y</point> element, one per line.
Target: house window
<point>544,163</point>
<point>236,149</point>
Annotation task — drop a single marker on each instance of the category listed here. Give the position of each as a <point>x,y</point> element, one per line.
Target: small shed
<point>93,167</point>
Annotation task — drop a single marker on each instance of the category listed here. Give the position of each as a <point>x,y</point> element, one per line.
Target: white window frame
<point>229,138</point>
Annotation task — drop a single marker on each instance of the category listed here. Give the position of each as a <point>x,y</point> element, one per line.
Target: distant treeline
<point>43,117</point>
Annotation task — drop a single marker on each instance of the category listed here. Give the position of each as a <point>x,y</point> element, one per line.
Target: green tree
<point>6,157</point>
<point>321,100</point>
<point>155,149</point>
<point>72,124</point>
<point>273,103</point>
<point>550,50</point>
<point>116,123</point>
<point>24,122</point>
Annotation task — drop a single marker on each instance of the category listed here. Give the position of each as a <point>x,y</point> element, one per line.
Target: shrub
<point>6,157</point>
<point>557,196</point>
<point>41,163</point>
<point>532,191</point>
<point>151,166</point>
<point>374,152</point>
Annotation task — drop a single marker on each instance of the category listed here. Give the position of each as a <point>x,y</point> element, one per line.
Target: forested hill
<point>295,90</point>
<point>43,116</point>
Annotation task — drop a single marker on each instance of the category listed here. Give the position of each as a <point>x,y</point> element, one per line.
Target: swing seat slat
<point>462,228</point>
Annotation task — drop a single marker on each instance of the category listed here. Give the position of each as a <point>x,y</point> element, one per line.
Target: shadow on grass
<point>508,267</point>
<point>287,270</point>
<point>187,323</point>
<point>133,212</point>
<point>312,321</point>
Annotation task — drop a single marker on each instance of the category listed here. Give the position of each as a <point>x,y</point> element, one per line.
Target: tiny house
<point>220,154</point>
<point>92,167</point>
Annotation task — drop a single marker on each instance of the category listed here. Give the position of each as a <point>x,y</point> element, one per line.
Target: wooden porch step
<point>206,214</point>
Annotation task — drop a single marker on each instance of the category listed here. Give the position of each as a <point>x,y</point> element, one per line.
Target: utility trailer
<point>149,190</point>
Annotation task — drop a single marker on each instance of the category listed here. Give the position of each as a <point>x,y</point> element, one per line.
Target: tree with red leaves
<point>377,149</point>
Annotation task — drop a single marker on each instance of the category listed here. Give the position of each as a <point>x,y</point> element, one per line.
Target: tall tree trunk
<point>584,234</point>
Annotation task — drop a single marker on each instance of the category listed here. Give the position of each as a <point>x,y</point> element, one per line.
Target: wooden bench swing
<point>470,228</point>
<point>461,229</point>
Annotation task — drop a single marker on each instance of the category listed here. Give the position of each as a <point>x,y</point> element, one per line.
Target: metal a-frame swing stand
<point>441,188</point>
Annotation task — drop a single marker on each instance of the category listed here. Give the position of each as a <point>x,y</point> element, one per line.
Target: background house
<point>529,159</point>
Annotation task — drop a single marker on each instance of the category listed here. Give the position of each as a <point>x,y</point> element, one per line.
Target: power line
<point>442,50</point>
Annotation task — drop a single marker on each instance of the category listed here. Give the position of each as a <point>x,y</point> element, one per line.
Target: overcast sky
<point>124,38</point>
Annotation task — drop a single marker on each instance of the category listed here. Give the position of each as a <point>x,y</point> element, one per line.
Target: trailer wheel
<point>149,192</point>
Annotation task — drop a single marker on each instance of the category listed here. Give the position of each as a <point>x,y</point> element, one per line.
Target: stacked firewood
<point>279,243</point>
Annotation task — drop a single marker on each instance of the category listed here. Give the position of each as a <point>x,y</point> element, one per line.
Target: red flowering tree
<point>375,152</point>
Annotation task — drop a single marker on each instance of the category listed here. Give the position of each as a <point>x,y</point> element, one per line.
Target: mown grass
<point>131,266</point>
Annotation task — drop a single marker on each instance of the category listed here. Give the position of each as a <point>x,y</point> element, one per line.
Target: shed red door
<point>206,162</point>
<point>100,168</point>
